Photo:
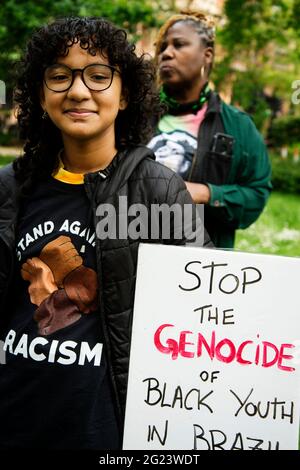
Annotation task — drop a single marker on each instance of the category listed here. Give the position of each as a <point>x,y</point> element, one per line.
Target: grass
<point>4,159</point>
<point>277,231</point>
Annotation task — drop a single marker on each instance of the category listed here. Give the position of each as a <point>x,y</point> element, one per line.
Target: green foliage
<point>124,13</point>
<point>253,23</point>
<point>295,17</point>
<point>5,139</point>
<point>285,130</point>
<point>5,159</point>
<point>277,231</point>
<point>286,175</point>
<point>261,43</point>
<point>248,93</point>
<point>221,71</point>
<point>18,19</point>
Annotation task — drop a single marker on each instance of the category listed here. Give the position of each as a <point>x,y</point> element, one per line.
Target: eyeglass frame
<point>111,67</point>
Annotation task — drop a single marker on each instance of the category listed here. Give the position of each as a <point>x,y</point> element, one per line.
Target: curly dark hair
<point>42,138</point>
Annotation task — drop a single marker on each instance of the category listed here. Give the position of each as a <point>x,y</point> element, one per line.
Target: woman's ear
<point>209,55</point>
<point>42,99</point>
<point>123,100</point>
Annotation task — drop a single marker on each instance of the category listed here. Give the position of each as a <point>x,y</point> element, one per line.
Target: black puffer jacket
<point>137,176</point>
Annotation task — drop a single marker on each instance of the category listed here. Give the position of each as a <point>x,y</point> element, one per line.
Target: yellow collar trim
<point>66,176</point>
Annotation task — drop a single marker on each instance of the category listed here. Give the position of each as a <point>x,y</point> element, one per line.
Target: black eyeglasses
<point>96,77</point>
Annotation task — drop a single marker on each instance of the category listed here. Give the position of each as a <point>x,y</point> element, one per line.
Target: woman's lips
<point>79,112</point>
<point>166,70</point>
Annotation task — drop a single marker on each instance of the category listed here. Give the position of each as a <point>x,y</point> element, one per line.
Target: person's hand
<point>62,257</point>
<point>81,286</point>
<point>200,192</point>
<point>41,280</point>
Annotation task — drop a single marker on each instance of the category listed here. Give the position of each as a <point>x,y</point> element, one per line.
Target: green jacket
<point>239,180</point>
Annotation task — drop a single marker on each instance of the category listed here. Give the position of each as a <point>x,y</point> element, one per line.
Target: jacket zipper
<point>192,166</point>
<point>196,151</point>
<point>91,194</point>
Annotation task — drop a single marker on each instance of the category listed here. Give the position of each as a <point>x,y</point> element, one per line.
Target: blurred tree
<point>261,44</point>
<point>123,12</point>
<point>254,23</point>
<point>295,17</point>
<point>18,18</point>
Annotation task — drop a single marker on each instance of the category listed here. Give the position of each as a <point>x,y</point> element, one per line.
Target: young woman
<point>85,101</point>
<point>214,147</point>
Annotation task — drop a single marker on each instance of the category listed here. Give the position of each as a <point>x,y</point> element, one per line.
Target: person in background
<point>215,147</point>
<point>67,277</point>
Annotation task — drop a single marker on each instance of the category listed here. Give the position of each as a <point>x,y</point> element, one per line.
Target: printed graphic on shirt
<point>59,285</point>
<point>40,349</point>
<point>175,150</point>
<point>48,227</point>
<point>176,142</point>
<point>54,389</point>
<point>188,123</point>
<point>55,315</point>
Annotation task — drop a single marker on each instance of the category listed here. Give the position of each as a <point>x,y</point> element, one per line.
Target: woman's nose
<point>78,90</point>
<point>167,52</point>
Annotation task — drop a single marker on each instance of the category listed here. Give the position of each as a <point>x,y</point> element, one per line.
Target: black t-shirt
<point>54,386</point>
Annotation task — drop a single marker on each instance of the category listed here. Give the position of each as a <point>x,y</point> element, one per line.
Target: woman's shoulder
<point>156,181</point>
<point>150,169</point>
<point>7,176</point>
<point>235,112</point>
<point>9,189</point>
<point>237,121</point>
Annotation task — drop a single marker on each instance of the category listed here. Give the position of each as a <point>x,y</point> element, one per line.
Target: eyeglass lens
<point>97,77</point>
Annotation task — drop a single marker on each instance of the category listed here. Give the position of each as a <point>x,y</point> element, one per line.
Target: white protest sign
<point>215,351</point>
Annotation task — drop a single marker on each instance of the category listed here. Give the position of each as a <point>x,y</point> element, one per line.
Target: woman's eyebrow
<point>178,37</point>
<point>96,62</point>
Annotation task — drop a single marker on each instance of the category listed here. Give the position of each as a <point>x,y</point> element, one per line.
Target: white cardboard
<point>201,402</point>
